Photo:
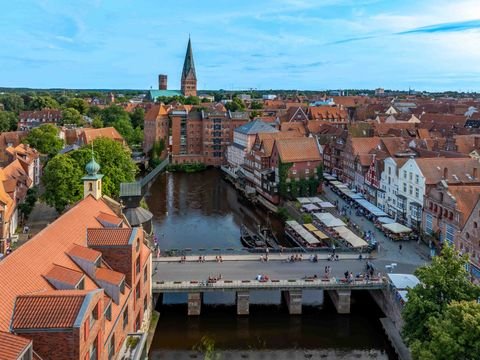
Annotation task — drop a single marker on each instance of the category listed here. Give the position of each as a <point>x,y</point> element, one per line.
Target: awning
<point>310,227</point>
<point>329,220</point>
<point>315,200</point>
<point>310,207</point>
<point>329,177</point>
<point>370,207</point>
<point>397,228</point>
<point>350,237</point>
<point>403,281</point>
<point>320,235</point>
<point>303,233</point>
<point>385,220</point>
<point>303,200</point>
<point>326,204</point>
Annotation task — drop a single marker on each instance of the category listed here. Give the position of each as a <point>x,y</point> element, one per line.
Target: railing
<point>152,174</point>
<point>311,283</point>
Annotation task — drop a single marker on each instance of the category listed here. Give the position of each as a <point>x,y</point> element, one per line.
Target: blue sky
<point>264,44</point>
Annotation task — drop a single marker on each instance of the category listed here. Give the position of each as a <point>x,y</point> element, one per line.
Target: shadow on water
<point>269,328</point>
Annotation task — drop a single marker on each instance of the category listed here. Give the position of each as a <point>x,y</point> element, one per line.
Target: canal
<point>202,211</point>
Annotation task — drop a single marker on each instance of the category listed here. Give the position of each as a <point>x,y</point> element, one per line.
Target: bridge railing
<point>152,174</point>
<point>323,283</point>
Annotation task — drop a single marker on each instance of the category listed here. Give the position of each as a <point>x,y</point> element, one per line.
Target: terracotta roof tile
<point>364,145</point>
<point>110,276</point>
<point>466,198</point>
<point>109,236</point>
<point>48,310</point>
<point>85,253</point>
<point>64,275</point>
<point>109,220</point>
<point>49,246</point>
<point>12,346</point>
<point>300,149</point>
<point>458,169</point>
<point>109,132</point>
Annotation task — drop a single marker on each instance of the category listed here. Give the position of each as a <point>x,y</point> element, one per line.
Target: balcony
<point>134,347</point>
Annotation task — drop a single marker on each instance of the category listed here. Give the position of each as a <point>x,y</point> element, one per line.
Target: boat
<point>267,235</point>
<point>250,240</point>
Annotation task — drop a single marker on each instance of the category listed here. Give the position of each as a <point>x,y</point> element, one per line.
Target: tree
<point>45,139</point>
<point>62,181</point>
<point>43,102</point>
<point>115,162</point>
<point>454,335</point>
<point>78,104</point>
<point>27,206</point>
<point>256,105</point>
<point>192,100</point>
<point>114,113</point>
<point>12,102</point>
<point>137,117</point>
<point>443,281</point>
<point>97,122</point>
<point>8,121</point>
<point>71,116</point>
<point>235,105</point>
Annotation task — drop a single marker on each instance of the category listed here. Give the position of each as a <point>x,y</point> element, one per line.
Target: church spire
<point>189,76</point>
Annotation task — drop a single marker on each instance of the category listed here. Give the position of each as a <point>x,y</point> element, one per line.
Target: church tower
<point>189,77</point>
<point>92,182</point>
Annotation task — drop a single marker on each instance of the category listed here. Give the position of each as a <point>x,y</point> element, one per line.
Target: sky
<point>430,45</point>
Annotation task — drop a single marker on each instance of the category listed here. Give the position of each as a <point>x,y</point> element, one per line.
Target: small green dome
<point>92,167</point>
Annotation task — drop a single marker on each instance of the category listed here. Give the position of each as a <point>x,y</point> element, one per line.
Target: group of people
<point>333,257</point>
<point>218,258</point>
<point>212,279</point>
<point>295,258</point>
<point>328,270</point>
<point>201,259</point>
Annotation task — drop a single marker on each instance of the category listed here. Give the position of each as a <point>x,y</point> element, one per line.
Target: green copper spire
<point>188,64</point>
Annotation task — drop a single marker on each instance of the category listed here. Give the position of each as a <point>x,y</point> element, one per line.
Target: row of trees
<point>442,315</point>
<point>62,174</point>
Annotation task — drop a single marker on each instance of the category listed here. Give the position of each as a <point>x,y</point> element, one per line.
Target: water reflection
<point>201,210</point>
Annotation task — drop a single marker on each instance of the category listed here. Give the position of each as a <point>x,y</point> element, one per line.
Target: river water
<point>202,212</point>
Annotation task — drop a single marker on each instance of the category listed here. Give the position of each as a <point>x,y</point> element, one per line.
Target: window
<point>94,316</point>
<point>404,174</point>
<point>111,347</point>
<point>404,187</point>
<point>417,179</point>
<point>145,274</point>
<point>122,287</point>
<point>90,187</point>
<point>410,189</point>
<point>417,193</point>
<point>449,233</point>
<point>137,247</point>
<point>137,291</point>
<point>137,265</point>
<point>389,170</point>
<point>294,172</point>
<point>145,303</point>
<point>108,312</point>
<point>81,284</point>
<point>475,224</point>
<point>410,176</point>
<point>93,350</point>
<point>428,224</point>
<point>125,318</point>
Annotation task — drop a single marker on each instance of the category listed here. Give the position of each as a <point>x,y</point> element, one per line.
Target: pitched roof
<point>48,310</point>
<point>12,346</point>
<point>458,169</point>
<point>109,220</point>
<point>255,127</point>
<point>49,246</point>
<point>466,198</point>
<point>327,113</point>
<point>108,132</point>
<point>65,275</point>
<point>363,145</point>
<point>85,253</point>
<point>108,275</point>
<point>188,64</point>
<point>110,237</point>
<point>298,149</point>
<point>155,112</point>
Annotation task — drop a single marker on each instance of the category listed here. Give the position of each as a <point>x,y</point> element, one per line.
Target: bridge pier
<point>341,300</point>
<point>243,302</point>
<point>293,299</point>
<point>194,303</point>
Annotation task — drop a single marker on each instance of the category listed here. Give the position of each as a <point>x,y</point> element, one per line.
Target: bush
<point>283,213</point>
<point>188,168</point>
<point>307,218</point>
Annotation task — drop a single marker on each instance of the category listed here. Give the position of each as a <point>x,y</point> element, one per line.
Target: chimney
<point>445,173</point>
<point>475,172</point>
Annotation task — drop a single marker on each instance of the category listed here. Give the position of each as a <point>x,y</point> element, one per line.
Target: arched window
<point>90,187</point>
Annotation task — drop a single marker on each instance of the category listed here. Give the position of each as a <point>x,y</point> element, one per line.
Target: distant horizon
<point>426,45</point>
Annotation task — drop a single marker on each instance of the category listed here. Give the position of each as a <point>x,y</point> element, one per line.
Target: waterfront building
<point>155,126</point>
<point>243,140</point>
<point>202,136</point>
<point>81,287</point>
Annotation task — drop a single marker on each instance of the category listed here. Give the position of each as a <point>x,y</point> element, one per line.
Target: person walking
<point>400,248</point>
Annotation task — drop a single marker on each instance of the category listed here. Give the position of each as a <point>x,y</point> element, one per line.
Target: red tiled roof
<point>48,310</point>
<point>108,132</point>
<point>110,276</point>
<point>64,275</point>
<point>83,252</point>
<point>466,198</point>
<point>298,149</point>
<point>108,236</point>
<point>22,271</point>
<point>433,169</point>
<point>109,219</point>
<point>12,346</point>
